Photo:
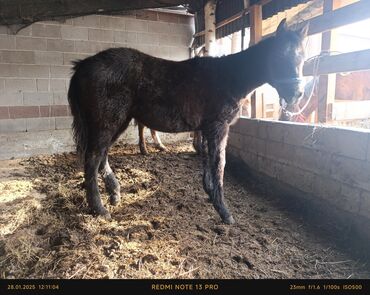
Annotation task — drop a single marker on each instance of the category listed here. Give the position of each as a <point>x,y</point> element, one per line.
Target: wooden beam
<point>339,17</point>
<point>345,62</point>
<point>255,17</point>
<point>26,12</point>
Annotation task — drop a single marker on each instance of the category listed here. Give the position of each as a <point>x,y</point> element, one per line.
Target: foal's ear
<point>282,27</point>
<point>303,30</point>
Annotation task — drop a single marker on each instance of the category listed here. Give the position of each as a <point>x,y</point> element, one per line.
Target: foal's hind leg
<point>217,140</point>
<point>157,140</point>
<point>207,181</point>
<point>93,158</point>
<point>111,183</point>
<point>142,143</point>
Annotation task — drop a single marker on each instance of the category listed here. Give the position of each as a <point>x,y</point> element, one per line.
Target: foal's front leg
<point>217,140</point>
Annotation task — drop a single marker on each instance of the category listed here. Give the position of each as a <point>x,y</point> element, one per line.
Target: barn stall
<point>299,191</point>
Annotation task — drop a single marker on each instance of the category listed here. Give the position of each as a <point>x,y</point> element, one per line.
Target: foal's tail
<point>79,126</point>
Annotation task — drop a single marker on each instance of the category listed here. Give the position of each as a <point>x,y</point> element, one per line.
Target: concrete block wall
<point>325,162</point>
<point>35,64</point>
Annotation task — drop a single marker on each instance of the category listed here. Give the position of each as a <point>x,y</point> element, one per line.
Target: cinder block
<point>254,144</point>
<point>181,29</point>
<point>101,35</point>
<point>18,57</point>
<point>146,15</point>
<point>4,113</point>
<point>267,166</point>
<point>349,199</point>
<point>235,140</point>
<point>276,131</point>
<point>159,27</point>
<point>60,71</point>
<point>166,39</point>
<point>27,31</point>
<point>60,98</point>
<point>7,42</point>
<point>63,123</point>
<point>125,37</point>
<point>40,124</point>
<point>278,151</point>
<point>186,20</point>
<point>12,125</point>
<point>313,160</point>
<point>69,57</point>
<point>250,159</point>
<point>2,84</point>
<point>326,188</point>
<point>300,134</point>
<point>60,45</point>
<point>37,98</point>
<point>42,84</point>
<point>112,22</point>
<point>300,179</point>
<point>147,38</point>
<point>43,30</point>
<point>11,99</point>
<point>168,17</point>
<point>18,112</point>
<point>33,71</point>
<point>74,33</point>
<point>90,21</point>
<point>88,46</point>
<point>9,70</point>
<point>58,85</point>
<point>345,142</point>
<point>30,43</point>
<point>15,85</point>
<point>365,204</point>
<point>248,126</point>
<point>135,25</point>
<point>348,170</point>
<point>48,58</point>
<point>4,30</point>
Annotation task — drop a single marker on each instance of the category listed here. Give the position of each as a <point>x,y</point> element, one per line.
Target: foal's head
<point>286,62</point>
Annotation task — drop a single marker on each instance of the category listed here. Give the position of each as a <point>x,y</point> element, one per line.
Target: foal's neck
<point>248,69</point>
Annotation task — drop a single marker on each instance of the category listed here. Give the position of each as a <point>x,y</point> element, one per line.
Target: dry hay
<point>163,228</point>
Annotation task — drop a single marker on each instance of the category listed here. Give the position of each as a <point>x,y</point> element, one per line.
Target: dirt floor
<point>163,228</point>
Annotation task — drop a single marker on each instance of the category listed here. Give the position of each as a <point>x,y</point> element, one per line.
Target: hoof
<point>144,152</point>
<point>228,220</point>
<point>103,213</point>
<point>162,148</point>
<point>114,199</point>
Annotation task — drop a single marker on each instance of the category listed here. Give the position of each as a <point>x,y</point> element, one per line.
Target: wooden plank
<point>326,87</point>
<point>339,17</point>
<point>345,62</point>
<point>255,17</point>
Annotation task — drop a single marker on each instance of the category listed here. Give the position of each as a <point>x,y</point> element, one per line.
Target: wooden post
<point>235,42</point>
<point>255,16</point>
<point>210,27</point>
<point>327,83</point>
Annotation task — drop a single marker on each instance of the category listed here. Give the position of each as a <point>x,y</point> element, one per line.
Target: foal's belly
<point>167,120</point>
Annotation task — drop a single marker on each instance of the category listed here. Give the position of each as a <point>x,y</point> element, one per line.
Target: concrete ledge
<point>351,232</point>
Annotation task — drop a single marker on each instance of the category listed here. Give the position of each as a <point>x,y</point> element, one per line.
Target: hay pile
<point>163,228</point>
